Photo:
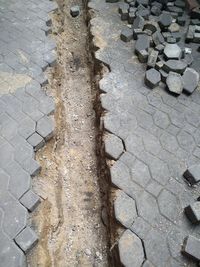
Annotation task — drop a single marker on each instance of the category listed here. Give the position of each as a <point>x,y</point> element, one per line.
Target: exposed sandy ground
<point>68,220</point>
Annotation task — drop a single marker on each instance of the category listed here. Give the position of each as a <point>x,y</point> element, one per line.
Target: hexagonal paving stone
<point>169,206</point>
<point>161,119</point>
<point>172,51</point>
<point>45,127</point>
<point>130,249</point>
<point>169,142</point>
<point>26,127</point>
<point>174,83</point>
<point>190,80</point>
<point>186,141</point>
<point>152,78</point>
<point>159,170</point>
<point>140,173</point>
<point>113,146</point>
<point>125,209</point>
<point>134,144</point>
<point>165,20</point>
<point>6,154</point>
<point>140,227</point>
<point>152,144</point>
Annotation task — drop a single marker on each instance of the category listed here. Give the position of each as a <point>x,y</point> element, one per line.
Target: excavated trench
<point>72,183</point>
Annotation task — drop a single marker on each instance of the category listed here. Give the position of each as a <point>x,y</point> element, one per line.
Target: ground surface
<point>160,135</point>
<point>69,220</point>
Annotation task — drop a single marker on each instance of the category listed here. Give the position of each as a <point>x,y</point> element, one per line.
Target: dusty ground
<point>68,220</point>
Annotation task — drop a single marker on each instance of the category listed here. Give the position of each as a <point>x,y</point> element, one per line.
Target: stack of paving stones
<point>150,138</point>
<point>161,42</point>
<point>25,121</point>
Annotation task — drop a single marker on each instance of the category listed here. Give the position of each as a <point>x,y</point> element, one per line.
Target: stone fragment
<point>174,83</point>
<point>178,66</point>
<point>113,146</point>
<point>172,51</point>
<point>75,11</point>
<point>152,58</point>
<point>174,27</point>
<point>138,23</point>
<point>191,247</point>
<point>158,38</point>
<point>192,174</point>
<point>152,78</point>
<point>126,35</point>
<point>193,212</point>
<point>125,209</point>
<point>159,65</point>
<point>163,75</point>
<point>26,239</point>
<point>30,200</point>
<point>190,80</point>
<point>131,251</point>
<point>165,20</point>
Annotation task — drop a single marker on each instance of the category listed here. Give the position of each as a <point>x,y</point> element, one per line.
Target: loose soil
<point>68,220</point>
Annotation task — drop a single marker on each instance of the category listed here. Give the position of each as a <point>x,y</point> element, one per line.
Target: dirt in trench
<point>68,220</point>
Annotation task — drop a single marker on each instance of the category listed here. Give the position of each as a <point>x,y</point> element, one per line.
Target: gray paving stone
<point>36,141</point>
<point>140,173</point>
<point>152,78</point>
<point>174,83</point>
<point>165,20</point>
<point>30,200</point>
<point>193,212</point>
<point>130,249</point>
<point>26,239</point>
<point>191,247</point>
<point>192,174</point>
<point>190,80</point>
<point>126,35</point>
<point>125,209</point>
<point>175,66</point>
<point>138,23</point>
<point>45,127</point>
<point>172,51</point>
<point>140,227</point>
<point>152,58</point>
<point>113,146</point>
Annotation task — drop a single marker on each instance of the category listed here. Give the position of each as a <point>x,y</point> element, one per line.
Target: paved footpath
<point>25,125</point>
<point>152,137</point>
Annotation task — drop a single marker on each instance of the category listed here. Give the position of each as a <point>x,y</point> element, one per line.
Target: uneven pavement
<point>150,139</point>
<point>25,124</point>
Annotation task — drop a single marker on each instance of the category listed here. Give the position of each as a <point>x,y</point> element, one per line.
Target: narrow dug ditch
<point>68,220</point>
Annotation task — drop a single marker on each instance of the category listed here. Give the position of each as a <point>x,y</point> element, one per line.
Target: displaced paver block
<point>130,249</point>
<point>126,35</point>
<point>165,20</point>
<point>192,174</point>
<point>142,43</point>
<point>26,239</point>
<point>113,146</point>
<point>36,140</point>
<point>152,59</point>
<point>174,83</point>
<point>178,66</point>
<point>152,78</point>
<point>125,209</point>
<point>30,200</point>
<point>172,51</point>
<point>45,127</point>
<point>191,247</point>
<point>138,23</point>
<point>190,80</point>
<point>193,212</point>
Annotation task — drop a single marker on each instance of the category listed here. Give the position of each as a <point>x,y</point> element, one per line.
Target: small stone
<point>165,20</point>
<point>159,65</point>
<point>26,239</point>
<point>192,174</point>
<point>126,35</point>
<point>190,80</point>
<point>125,209</point>
<point>172,51</point>
<point>138,23</point>
<point>193,212</point>
<point>131,251</point>
<point>178,66</point>
<point>75,11</point>
<point>152,78</point>
<point>152,59</point>
<point>191,247</point>
<point>174,83</point>
<point>174,27</point>
<point>143,56</point>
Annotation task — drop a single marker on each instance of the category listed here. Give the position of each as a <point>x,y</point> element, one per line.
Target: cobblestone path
<point>151,137</point>
<point>25,124</point>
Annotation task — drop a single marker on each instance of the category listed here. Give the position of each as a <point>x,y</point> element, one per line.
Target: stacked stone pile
<point>163,32</point>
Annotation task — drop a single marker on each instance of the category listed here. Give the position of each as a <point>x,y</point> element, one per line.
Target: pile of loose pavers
<point>158,28</point>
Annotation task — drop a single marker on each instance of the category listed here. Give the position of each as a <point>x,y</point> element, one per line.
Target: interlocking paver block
<point>36,141</point>
<point>192,174</point>
<point>30,200</point>
<point>130,249</point>
<point>191,247</point>
<point>26,239</point>
<point>113,146</point>
<point>152,78</point>
<point>193,212</point>
<point>190,80</point>
<point>125,209</point>
<point>45,127</point>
